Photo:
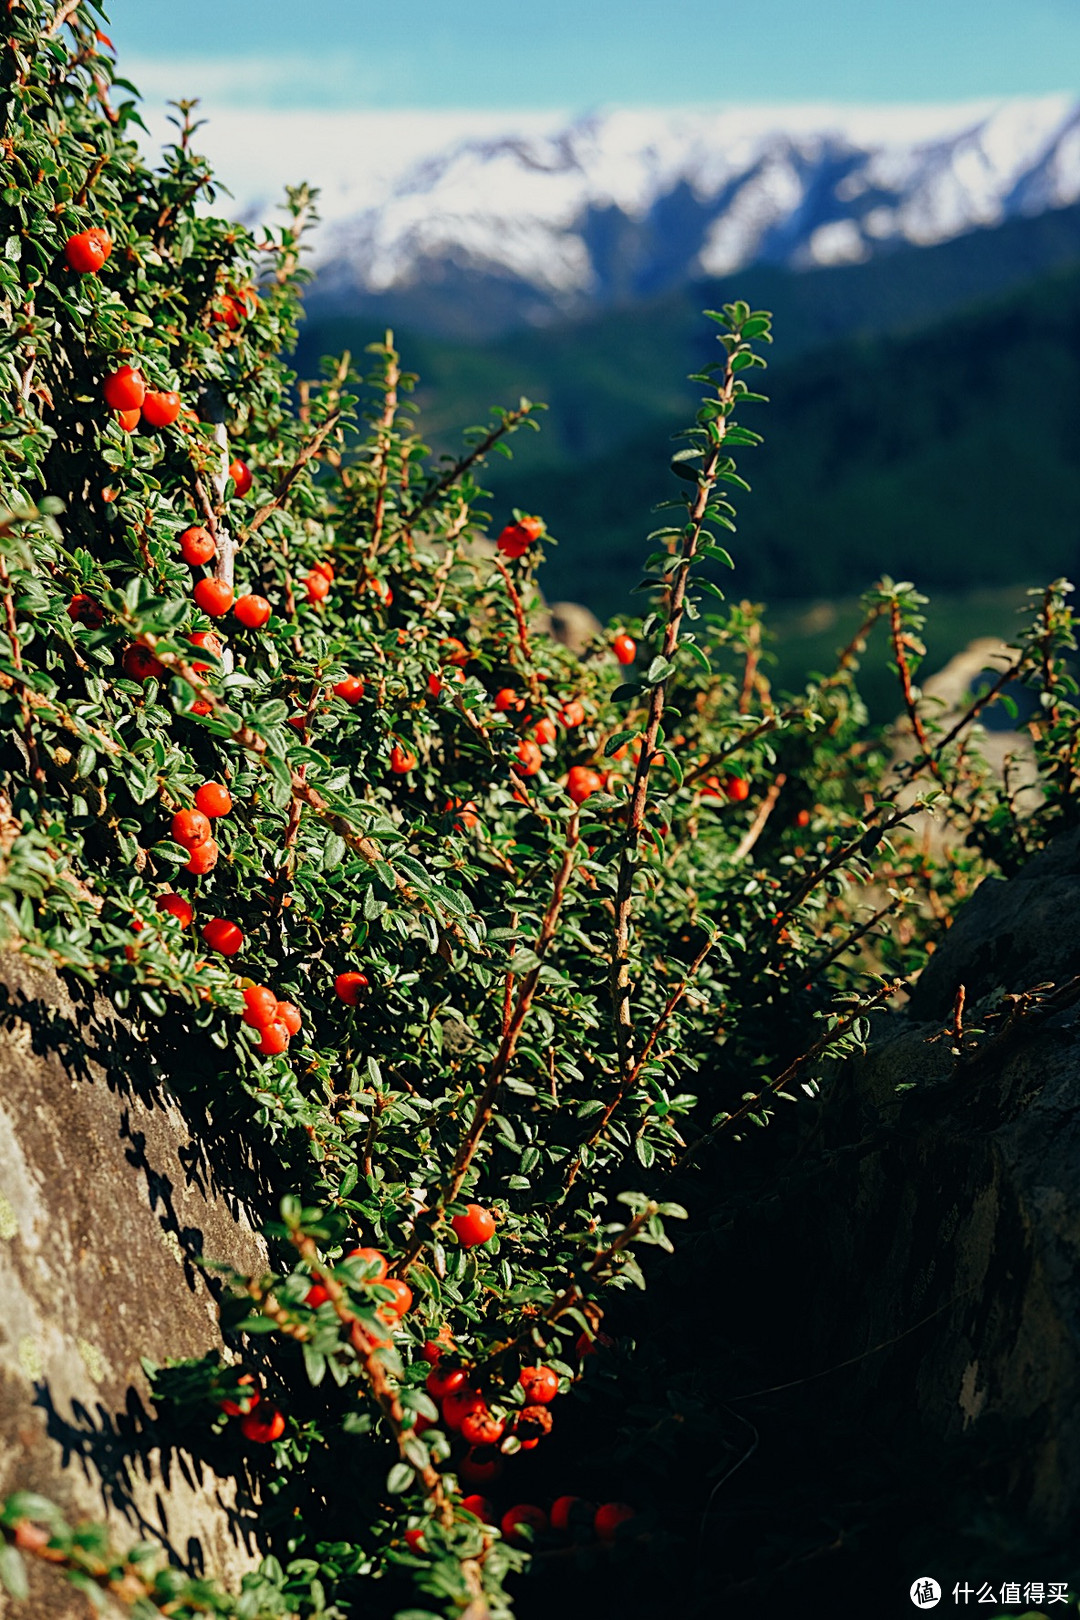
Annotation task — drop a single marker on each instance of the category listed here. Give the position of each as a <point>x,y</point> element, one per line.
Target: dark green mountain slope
<point>951,457</point>
<point>607,377</point>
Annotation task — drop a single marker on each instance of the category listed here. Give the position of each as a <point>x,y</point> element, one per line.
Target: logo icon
<point>925,1592</point>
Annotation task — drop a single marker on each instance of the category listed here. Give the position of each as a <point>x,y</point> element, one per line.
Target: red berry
<point>347,987</point>
<point>544,730</point>
<point>401,760</point>
<point>625,648</point>
<point>86,252</point>
<point>212,643</point>
<point>530,759</point>
<point>201,706</point>
<point>480,1508</point>
<point>801,820</point>
<point>476,1225</point>
<point>228,312</point>
<point>274,1039</point>
<point>203,857</point>
<point>125,389</point>
<point>190,827</point>
<point>129,420</point>
<point>262,1426</point>
<point>247,1402</point>
<point>581,781</point>
<point>415,1539</point>
<point>139,664</point>
<point>609,1517</point>
<point>240,474</point>
<point>213,799</point>
<point>516,538</point>
<point>260,1006</point>
<point>324,567</point>
<point>214,597</point>
<point>507,698</point>
<point>316,1296</point>
<point>289,1015</point>
<point>373,1260</point>
<point>432,1351</point>
<point>532,1423</point>
<point>252,611</point>
<point>317,586</point>
<point>196,546</point>
<point>452,672</point>
<point>524,1514</point>
<point>223,936</point>
<point>458,1404</point>
<point>468,817</point>
<point>588,1346</point>
<point>95,232</point>
<point>442,1381</point>
<point>351,689</point>
<point>403,1295</point>
<point>453,651</point>
<point>177,907</point>
<point>562,1510</point>
<point>479,1467</point>
<point>571,714</point>
<point>539,1383</point>
<point>160,409</point>
<point>737,788</point>
<point>84,610</point>
<point>481,1427</point>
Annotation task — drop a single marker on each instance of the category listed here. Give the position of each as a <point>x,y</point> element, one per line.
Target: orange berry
<point>177,907</point>
<point>252,611</point>
<point>189,828</point>
<point>197,546</point>
<point>223,936</point>
<point>160,409</point>
<point>213,799</point>
<point>347,987</point>
<point>214,597</point>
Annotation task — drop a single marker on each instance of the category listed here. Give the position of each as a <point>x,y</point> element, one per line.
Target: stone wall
<point>107,1198</point>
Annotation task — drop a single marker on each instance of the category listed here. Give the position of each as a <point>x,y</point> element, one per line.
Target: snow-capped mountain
<point>539,215</point>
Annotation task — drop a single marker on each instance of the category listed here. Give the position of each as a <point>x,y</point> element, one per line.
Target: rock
<point>949,1200</point>
<point>107,1198</point>
<point>575,626</point>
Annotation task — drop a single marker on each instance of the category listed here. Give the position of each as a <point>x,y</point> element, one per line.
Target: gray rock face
<point>106,1199</point>
<point>951,1211</point>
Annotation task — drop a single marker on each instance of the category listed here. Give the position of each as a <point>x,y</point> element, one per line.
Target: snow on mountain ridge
<point>623,203</point>
<point>682,194</point>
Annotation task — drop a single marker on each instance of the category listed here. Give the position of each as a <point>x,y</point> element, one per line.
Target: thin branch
<point>828,1039</point>
<point>509,422</point>
<point>309,450</point>
<point>484,1106</point>
<point>757,826</point>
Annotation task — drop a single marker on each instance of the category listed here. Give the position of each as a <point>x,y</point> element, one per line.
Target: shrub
<point>479,1025</point>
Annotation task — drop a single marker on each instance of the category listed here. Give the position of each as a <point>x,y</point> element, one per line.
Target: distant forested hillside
<point>924,419</point>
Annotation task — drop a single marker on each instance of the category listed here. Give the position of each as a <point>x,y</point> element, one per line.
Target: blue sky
<point>581,53</point>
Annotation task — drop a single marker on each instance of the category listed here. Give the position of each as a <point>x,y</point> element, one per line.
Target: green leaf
<point>13,1572</point>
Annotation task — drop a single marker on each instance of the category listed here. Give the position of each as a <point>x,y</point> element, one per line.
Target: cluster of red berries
<point>260,1421</point>
<point>276,1021</point>
<point>569,1516</point>
<point>213,596</point>
<point>517,537</point>
<point>191,829</point>
<point>734,788</point>
<point>375,1272</point>
<point>318,582</point>
<point>127,394</point>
